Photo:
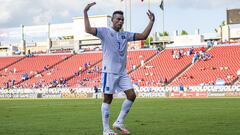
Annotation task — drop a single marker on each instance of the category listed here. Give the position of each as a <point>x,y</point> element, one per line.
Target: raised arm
<point>145,33</point>
<point>88,28</point>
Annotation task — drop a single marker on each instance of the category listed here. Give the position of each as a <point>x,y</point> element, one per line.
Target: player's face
<point>118,21</point>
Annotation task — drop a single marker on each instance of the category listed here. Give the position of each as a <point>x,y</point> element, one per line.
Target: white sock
<point>105,115</point>
<point>127,104</point>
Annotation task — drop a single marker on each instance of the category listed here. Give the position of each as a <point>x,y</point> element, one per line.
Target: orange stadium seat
<point>224,65</point>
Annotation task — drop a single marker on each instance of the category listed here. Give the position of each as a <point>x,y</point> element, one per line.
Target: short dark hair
<point>117,12</point>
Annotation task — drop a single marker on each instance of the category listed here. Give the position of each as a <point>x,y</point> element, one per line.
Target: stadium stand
<point>223,65</point>
<point>162,68</point>
<point>146,67</point>
<point>30,67</point>
<point>87,78</point>
<point>8,61</point>
<point>135,58</point>
<point>59,74</point>
<point>92,77</point>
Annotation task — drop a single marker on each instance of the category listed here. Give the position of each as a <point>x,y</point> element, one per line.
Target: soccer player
<point>114,75</point>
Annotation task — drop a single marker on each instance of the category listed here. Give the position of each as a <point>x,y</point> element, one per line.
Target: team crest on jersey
<point>123,37</point>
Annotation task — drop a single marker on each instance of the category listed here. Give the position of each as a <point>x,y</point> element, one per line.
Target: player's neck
<point>117,30</point>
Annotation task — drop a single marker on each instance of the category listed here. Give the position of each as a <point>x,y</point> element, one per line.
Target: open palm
<point>151,16</point>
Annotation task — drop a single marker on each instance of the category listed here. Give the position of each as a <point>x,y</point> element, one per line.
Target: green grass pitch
<point>212,116</point>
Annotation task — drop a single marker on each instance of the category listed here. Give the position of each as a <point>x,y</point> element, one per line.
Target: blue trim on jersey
<point>134,37</point>
<point>96,32</point>
<point>104,81</point>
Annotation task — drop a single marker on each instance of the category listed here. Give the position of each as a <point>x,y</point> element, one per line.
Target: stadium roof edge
<point>95,16</point>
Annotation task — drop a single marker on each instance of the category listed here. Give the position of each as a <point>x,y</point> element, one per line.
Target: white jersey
<point>114,45</point>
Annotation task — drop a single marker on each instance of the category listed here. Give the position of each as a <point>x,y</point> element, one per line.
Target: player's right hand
<point>89,5</point>
<point>151,16</point>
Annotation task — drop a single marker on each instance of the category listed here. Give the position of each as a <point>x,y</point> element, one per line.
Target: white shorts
<point>115,82</point>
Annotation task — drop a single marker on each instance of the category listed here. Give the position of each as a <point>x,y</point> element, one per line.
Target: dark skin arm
<point>88,28</point>
<point>146,32</point>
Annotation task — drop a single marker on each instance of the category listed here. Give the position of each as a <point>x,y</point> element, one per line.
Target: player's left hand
<point>151,16</point>
<point>89,6</point>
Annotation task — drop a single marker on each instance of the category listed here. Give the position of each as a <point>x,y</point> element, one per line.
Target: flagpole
<point>149,40</point>
<point>163,26</point>
<point>149,4</point>
<point>163,20</point>
<point>125,10</point>
<point>130,12</point>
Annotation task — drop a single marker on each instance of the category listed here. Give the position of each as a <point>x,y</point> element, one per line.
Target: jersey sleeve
<point>101,32</point>
<point>131,36</point>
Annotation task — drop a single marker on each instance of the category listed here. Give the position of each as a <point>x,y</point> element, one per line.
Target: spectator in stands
<point>160,80</point>
<point>85,65</point>
<point>221,68</point>
<point>64,81</point>
<point>202,49</point>
<point>229,76</point>
<point>37,74</point>
<point>64,57</point>
<point>238,74</point>
<point>165,81</point>
<point>211,83</point>
<point>6,69</point>
<point>14,70</point>
<point>134,67</point>
<point>80,69</point>
<point>95,88</point>
<point>203,56</point>
<point>181,53</point>
<point>181,88</point>
<point>141,57</point>
<point>178,55</point>
<point>89,64</point>
<point>151,74</point>
<point>114,64</point>
<point>8,84</point>
<point>190,51</point>
<point>172,52</point>
<point>147,74</point>
<point>61,80</point>
<point>195,57</point>
<point>46,68</point>
<point>142,62</point>
<point>49,73</point>
<point>29,55</point>
<point>208,56</point>
<point>212,68</point>
<point>98,69</point>
<point>158,50</point>
<point>25,76</point>
<point>141,80</point>
<point>76,73</point>
<point>209,43</point>
<point>89,71</point>
<point>202,68</point>
<point>54,83</point>
<point>13,82</point>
